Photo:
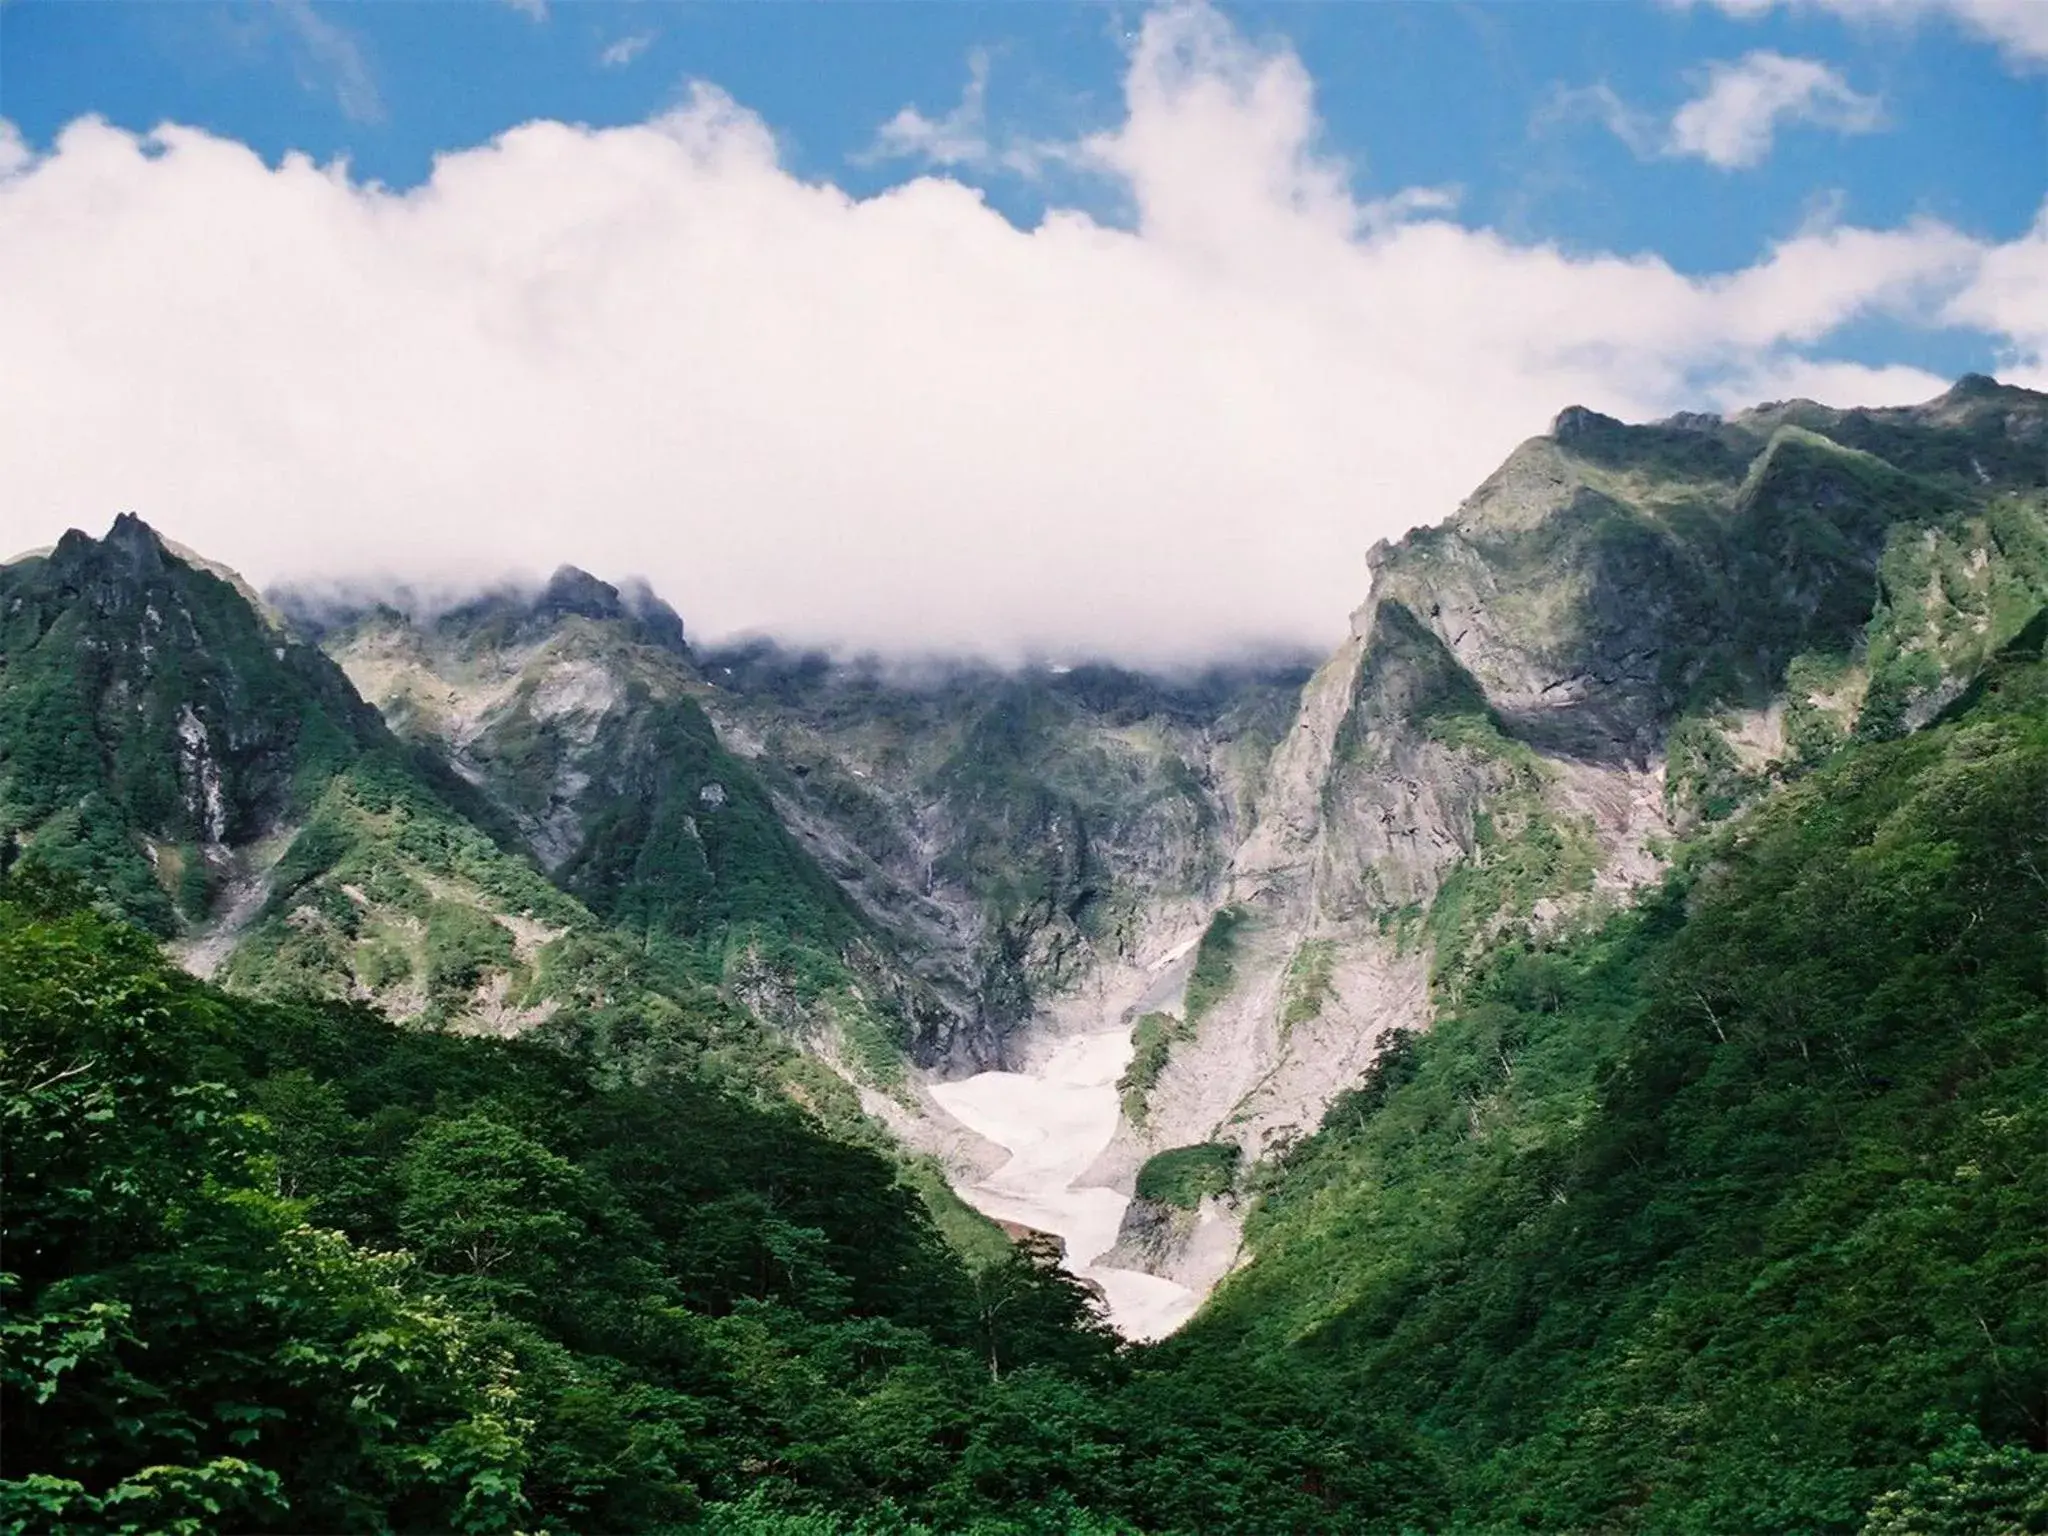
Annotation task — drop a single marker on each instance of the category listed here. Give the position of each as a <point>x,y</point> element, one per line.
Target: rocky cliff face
<point>155,728</point>
<point>976,844</point>
<point>1626,633</point>
<point>1037,827</point>
<point>577,711</point>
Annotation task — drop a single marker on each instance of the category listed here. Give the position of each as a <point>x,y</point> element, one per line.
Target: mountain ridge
<point>1623,635</point>
<point>1585,1039</point>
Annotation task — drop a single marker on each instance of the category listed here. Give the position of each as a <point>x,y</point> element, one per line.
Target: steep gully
<point>1054,1117</point>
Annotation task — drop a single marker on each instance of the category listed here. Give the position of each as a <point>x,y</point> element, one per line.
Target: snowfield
<point>1054,1120</point>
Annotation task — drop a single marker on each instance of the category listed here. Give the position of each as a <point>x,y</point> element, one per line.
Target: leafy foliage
<point>1185,1176</point>
<point>185,1353</point>
<point>1215,965</point>
<point>285,1267</point>
<point>1691,1222</point>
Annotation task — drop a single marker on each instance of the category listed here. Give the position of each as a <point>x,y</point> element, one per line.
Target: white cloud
<point>1732,122</point>
<point>536,9</point>
<point>960,138</point>
<point>1641,131</point>
<point>625,50</point>
<point>2009,297</point>
<point>329,58</point>
<point>15,154</point>
<point>2018,27</point>
<point>1734,119</point>
<point>895,421</point>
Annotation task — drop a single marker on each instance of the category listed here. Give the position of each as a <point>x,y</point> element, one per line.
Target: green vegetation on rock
<point>1185,1176</point>
<point>1215,967</point>
<point>1152,1040</point>
<point>1522,855</point>
<point>1309,973</point>
<point>1723,1215</point>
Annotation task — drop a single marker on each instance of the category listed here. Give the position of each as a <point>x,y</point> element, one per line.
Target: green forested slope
<point>285,1267</point>
<point>149,717</point>
<point>1724,1213</point>
<point>1718,1217</point>
<point>1726,1216</point>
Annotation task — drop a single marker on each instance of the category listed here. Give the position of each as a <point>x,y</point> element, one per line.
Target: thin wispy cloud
<point>1734,119</point>
<point>329,59</point>
<point>1643,132</point>
<point>960,138</point>
<point>625,50</point>
<point>536,9</point>
<point>2018,27</point>
<point>896,420</point>
<point>963,139</point>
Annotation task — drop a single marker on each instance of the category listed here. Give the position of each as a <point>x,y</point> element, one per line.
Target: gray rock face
<point>1504,714</point>
<point>134,675</point>
<point>1619,634</point>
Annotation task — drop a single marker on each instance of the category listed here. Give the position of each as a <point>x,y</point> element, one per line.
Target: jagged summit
<point>1976,402</point>
<point>505,611</point>
<point>1578,421</point>
<point>135,543</point>
<point>154,722</point>
<point>574,590</point>
<point>130,550</point>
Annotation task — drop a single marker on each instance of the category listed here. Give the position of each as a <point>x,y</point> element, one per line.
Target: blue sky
<point>1439,94</point>
<point>862,342</point>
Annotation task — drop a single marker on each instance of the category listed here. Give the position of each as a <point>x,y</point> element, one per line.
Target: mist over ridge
<point>1162,425</point>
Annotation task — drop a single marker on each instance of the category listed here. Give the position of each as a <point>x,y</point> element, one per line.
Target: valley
<point>1471,1077</point>
<point>1055,1118</point>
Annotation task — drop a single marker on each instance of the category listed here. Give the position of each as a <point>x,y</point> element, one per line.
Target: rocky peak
<point>657,620</point>
<point>1578,421</point>
<point>1692,421</point>
<point>570,593</point>
<point>133,556</point>
<point>574,591</point>
<point>135,544</point>
<point>120,564</point>
<point>153,722</point>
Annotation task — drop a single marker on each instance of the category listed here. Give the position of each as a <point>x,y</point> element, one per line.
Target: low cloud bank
<point>894,423</point>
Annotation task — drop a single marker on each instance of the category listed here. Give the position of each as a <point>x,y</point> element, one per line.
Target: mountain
<point>155,726</point>
<point>218,780</point>
<point>1587,1034</point>
<point>1716,1213</point>
<point>1624,635</point>
<point>574,712</point>
<point>990,828</point>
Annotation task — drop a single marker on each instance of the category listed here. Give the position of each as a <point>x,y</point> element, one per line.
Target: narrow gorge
<point>1448,1084</point>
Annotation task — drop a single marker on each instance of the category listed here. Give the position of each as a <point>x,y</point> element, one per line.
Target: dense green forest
<point>279,1266</point>
<point>1725,1215</point>
<point>1719,1216</point>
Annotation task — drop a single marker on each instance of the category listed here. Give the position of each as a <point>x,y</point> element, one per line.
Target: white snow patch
<point>1175,953</point>
<point>1054,1120</point>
